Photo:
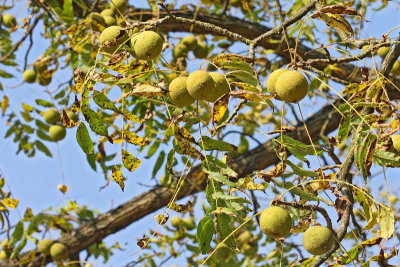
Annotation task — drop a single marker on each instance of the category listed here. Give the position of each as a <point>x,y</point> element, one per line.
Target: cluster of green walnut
<point>199,85</point>
<point>287,85</point>
<point>276,222</point>
<point>109,16</point>
<point>52,116</point>
<point>36,74</point>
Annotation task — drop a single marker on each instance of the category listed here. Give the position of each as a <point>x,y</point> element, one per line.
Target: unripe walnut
<point>396,142</point>
<point>318,240</point>
<point>43,81</point>
<point>190,42</point>
<point>178,93</point>
<point>176,221</point>
<point>396,68</point>
<point>110,21</point>
<point>59,252</point>
<point>3,255</point>
<point>180,50</point>
<point>275,222</point>
<point>189,223</point>
<point>201,51</point>
<point>51,116</point>
<point>57,132</point>
<point>200,85</point>
<point>147,45</point>
<point>221,86</point>
<point>119,5</point>
<point>29,76</point>
<point>45,245</point>
<point>272,80</point>
<point>383,51</point>
<point>9,21</point>
<point>112,38</point>
<point>291,86</point>
<point>108,12</point>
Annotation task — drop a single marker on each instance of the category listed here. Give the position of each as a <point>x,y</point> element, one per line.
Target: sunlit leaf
<point>130,162</point>
<point>83,139</point>
<point>10,202</point>
<point>118,177</point>
<point>132,138</point>
<point>220,107</point>
<point>204,234</point>
<point>207,143</point>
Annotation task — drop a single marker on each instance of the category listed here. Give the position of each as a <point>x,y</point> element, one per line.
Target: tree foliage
<point>117,61</point>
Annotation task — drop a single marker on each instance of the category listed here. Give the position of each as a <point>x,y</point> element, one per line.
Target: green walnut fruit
<point>189,223</point>
<point>51,116</point>
<point>29,76</point>
<point>58,252</point>
<point>366,48</point>
<point>272,80</point>
<point>190,42</point>
<point>383,51</point>
<point>176,222</point>
<point>245,237</point>
<point>97,22</point>
<point>112,38</point>
<point>57,132</point>
<point>396,141</point>
<point>291,86</point>
<point>318,240</point>
<point>275,222</point>
<point>108,12</point>
<point>72,116</point>
<point>147,45</point>
<point>180,50</point>
<point>4,244</point>
<point>201,51</point>
<point>178,93</point>
<point>110,21</point>
<point>45,245</point>
<point>3,255</point>
<point>9,21</point>
<point>119,5</point>
<point>221,87</point>
<point>43,81</point>
<point>200,85</point>
<point>396,68</point>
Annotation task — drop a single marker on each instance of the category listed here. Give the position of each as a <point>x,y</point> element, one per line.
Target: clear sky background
<point>34,180</point>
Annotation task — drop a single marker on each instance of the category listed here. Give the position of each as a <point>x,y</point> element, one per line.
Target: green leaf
<point>91,158</point>
<point>18,233</point>
<point>344,127</point>
<point>205,232</point>
<point>387,221</point>
<point>41,147</point>
<point>68,10</point>
<point>83,138</point>
<point>44,103</point>
<point>102,101</point>
<point>96,124</point>
<point>243,76</point>
<point>386,158</point>
<point>219,178</point>
<point>18,249</point>
<point>299,192</point>
<point>221,195</point>
<point>159,162</point>
<point>300,171</point>
<point>297,148</point>
<point>207,143</point>
<point>225,226</point>
<point>351,255</point>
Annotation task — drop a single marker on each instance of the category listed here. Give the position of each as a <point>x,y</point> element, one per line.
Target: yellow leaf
<point>301,227</point>
<point>161,219</point>
<point>10,202</point>
<point>130,162</point>
<point>4,104</point>
<point>185,148</point>
<point>220,107</point>
<point>131,117</point>
<point>118,177</point>
<point>63,188</point>
<point>132,138</point>
<point>372,241</point>
<point>337,22</point>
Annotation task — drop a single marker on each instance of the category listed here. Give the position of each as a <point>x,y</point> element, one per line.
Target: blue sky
<point>34,180</point>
